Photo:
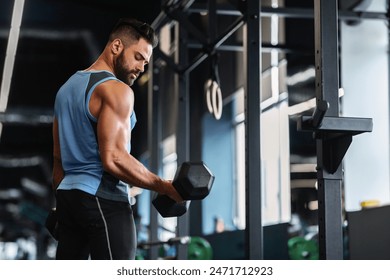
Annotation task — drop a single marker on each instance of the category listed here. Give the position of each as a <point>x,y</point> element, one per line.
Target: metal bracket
<point>336,133</point>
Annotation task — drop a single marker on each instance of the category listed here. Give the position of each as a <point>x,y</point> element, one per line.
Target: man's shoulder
<point>114,91</point>
<point>114,85</point>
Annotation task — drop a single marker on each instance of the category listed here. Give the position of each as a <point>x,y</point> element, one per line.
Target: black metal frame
<point>183,131</point>
<point>254,228</point>
<point>154,132</point>
<point>286,12</point>
<point>333,133</point>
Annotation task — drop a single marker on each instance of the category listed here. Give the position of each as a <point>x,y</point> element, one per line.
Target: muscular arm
<point>112,103</point>
<point>58,172</point>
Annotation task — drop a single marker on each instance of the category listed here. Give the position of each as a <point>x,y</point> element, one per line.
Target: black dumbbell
<point>193,181</point>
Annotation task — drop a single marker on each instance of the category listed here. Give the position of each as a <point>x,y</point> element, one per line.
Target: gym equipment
<point>213,98</point>
<point>172,241</point>
<point>198,247</point>
<point>213,91</point>
<point>333,133</point>
<point>193,181</point>
<point>300,248</point>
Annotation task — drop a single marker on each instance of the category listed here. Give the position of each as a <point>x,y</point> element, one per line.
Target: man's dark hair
<point>134,30</point>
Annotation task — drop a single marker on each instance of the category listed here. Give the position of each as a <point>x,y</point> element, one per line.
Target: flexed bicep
<point>113,106</point>
<point>113,122</point>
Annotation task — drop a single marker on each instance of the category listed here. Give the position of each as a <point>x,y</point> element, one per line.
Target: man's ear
<point>116,46</point>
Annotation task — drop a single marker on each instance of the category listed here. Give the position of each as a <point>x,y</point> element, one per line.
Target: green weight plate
<point>301,249</point>
<point>199,249</point>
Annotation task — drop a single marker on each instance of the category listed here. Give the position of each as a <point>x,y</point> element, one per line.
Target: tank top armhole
<point>89,94</point>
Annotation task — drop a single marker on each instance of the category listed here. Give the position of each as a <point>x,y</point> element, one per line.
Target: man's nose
<point>141,67</point>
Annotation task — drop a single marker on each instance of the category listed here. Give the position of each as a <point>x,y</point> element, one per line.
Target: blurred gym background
<point>43,42</point>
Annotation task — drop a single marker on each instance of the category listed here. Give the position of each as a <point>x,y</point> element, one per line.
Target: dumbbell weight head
<point>193,180</point>
<point>167,207</point>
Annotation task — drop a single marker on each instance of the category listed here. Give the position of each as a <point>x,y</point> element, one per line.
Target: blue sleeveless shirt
<point>78,138</point>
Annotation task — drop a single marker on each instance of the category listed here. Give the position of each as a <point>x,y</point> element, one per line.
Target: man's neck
<point>100,64</point>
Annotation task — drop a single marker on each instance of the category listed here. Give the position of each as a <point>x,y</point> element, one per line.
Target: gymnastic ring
<point>216,100</point>
<point>207,88</point>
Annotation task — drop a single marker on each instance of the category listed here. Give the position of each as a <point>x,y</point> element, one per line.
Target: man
<point>93,119</point>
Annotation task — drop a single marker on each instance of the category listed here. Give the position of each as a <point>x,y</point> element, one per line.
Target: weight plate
<point>199,249</point>
<point>301,249</point>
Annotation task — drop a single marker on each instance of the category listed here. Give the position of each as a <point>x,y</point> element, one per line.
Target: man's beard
<point>122,73</point>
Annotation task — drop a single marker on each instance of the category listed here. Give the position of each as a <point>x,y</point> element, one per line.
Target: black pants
<point>92,227</point>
